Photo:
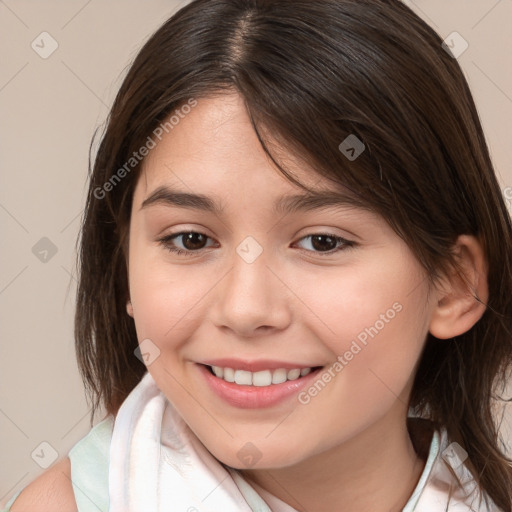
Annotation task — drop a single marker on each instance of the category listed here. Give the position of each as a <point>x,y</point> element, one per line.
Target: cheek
<point>165,308</point>
<point>374,322</point>
<point>164,297</point>
<point>365,301</point>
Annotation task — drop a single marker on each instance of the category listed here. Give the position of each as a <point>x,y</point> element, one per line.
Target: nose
<point>252,299</point>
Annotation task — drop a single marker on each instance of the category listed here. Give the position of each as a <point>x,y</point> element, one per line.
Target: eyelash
<point>165,241</point>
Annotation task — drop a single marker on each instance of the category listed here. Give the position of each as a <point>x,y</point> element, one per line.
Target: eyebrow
<point>283,205</point>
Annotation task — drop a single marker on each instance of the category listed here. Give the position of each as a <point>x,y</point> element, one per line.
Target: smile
<point>260,378</point>
<point>261,388</point>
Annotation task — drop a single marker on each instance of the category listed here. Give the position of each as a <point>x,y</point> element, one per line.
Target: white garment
<point>158,464</point>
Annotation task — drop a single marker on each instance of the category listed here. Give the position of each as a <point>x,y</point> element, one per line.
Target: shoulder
<point>50,491</point>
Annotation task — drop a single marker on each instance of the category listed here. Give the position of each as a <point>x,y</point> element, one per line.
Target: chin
<point>248,458</point>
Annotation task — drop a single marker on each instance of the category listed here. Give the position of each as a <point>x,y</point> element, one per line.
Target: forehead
<point>214,150</point>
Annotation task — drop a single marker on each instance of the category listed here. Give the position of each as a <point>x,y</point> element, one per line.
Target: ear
<point>129,308</point>
<point>461,300</point>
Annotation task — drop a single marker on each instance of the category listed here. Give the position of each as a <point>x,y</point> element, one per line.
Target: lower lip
<point>255,397</point>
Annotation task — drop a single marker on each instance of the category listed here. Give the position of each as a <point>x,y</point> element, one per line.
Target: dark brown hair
<point>311,73</point>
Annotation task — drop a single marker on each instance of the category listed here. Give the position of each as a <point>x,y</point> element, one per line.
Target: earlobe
<point>129,308</point>
<point>462,300</point>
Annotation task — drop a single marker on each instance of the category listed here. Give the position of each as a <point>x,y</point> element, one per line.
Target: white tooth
<point>243,377</point>
<point>279,376</point>
<point>293,374</point>
<point>229,375</point>
<point>219,372</point>
<point>304,371</point>
<point>263,378</point>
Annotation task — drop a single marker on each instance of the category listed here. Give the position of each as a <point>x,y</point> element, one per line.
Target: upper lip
<point>255,366</point>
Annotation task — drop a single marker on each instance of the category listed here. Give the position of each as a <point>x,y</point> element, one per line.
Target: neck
<point>376,471</point>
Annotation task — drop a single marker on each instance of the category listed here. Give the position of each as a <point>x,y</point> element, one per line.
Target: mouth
<point>261,389</point>
<point>260,378</point>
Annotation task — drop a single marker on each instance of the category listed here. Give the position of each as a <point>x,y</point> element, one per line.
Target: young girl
<point>295,274</point>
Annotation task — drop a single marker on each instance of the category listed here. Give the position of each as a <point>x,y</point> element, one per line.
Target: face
<point>332,290</point>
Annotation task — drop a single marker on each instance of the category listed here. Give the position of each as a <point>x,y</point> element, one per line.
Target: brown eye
<point>323,242</point>
<point>191,242</point>
<point>326,243</point>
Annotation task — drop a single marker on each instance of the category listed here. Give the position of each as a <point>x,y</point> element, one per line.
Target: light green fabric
<point>433,452</point>
<point>8,505</point>
<point>89,468</point>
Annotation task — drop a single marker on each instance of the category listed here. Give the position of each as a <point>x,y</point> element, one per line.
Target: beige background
<point>49,109</point>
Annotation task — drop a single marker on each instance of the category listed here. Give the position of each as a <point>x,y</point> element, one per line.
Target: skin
<point>349,445</point>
